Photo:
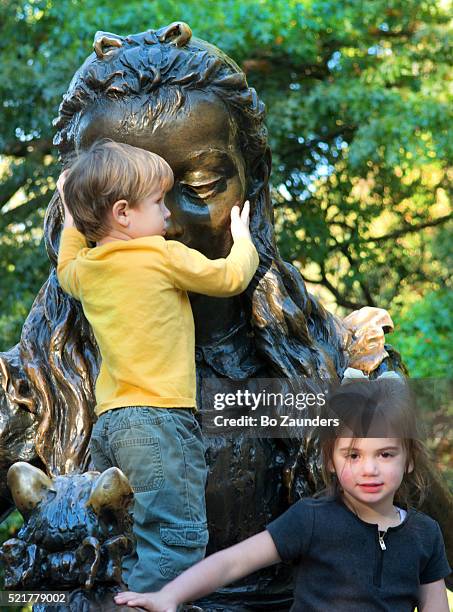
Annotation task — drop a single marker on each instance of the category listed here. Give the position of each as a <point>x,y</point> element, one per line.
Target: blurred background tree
<point>359,108</point>
<point>359,113</point>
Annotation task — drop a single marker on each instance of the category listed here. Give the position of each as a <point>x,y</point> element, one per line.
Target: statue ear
<point>260,172</point>
<point>105,43</point>
<point>111,491</point>
<point>28,486</point>
<point>178,33</point>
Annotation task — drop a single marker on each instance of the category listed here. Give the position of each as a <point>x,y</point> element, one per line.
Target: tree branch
<point>21,212</point>
<point>345,130</point>
<point>24,149</point>
<point>341,301</point>
<point>410,229</point>
<point>268,64</point>
<point>353,264</point>
<point>405,34</point>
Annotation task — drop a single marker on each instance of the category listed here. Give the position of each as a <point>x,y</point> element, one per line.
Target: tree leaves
<point>359,115</point>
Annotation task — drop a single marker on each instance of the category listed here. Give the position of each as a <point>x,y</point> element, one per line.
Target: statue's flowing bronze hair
<point>294,334</point>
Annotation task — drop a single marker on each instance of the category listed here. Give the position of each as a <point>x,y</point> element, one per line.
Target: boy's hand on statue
<point>60,184</point>
<point>154,602</point>
<point>240,221</point>
<point>68,220</point>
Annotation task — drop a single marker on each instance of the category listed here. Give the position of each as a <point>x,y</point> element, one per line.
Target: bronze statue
<point>187,101</point>
<point>77,529</point>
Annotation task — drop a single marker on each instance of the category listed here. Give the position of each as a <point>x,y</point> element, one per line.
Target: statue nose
<point>174,230</point>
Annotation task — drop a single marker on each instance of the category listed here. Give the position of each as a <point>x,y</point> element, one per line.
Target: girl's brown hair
<point>377,409</point>
<point>107,172</point>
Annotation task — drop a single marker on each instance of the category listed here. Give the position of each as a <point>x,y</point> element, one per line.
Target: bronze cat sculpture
<point>76,530</point>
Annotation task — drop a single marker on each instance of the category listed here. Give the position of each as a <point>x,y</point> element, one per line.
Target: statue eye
<point>202,191</point>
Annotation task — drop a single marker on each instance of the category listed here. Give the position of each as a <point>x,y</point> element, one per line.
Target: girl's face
<point>200,142</point>
<point>369,470</point>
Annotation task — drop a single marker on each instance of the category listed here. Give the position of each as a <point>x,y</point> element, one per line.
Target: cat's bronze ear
<point>105,44</point>
<point>177,33</point>
<point>28,485</point>
<point>111,491</point>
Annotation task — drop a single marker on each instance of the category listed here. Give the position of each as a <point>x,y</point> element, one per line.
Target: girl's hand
<point>240,221</point>
<point>68,220</point>
<point>154,602</point>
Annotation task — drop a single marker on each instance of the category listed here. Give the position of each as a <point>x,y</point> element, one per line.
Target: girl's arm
<point>433,597</point>
<point>205,577</point>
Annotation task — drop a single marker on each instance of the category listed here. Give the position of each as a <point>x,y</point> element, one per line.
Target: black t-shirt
<point>342,565</point>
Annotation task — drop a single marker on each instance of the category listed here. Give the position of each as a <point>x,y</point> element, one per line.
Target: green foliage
<point>8,529</point>
<point>10,526</point>
<point>359,111</point>
<point>425,335</point>
<point>24,266</point>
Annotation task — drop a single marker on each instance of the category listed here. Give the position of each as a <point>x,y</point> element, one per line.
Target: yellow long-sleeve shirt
<point>133,293</point>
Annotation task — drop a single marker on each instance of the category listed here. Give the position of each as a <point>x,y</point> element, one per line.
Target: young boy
<point>132,286</point>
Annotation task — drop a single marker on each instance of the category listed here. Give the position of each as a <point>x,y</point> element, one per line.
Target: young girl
<point>355,549</point>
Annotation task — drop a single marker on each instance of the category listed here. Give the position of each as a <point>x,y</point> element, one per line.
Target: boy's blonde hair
<point>107,172</point>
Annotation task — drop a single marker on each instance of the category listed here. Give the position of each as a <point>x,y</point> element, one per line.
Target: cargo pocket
<point>183,545</point>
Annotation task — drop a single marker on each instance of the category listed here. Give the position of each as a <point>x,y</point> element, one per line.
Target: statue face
<point>202,147</point>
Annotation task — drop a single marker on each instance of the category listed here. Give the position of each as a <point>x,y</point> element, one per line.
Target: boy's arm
<point>224,277</point>
<point>71,243</point>
<point>210,574</point>
<point>68,220</point>
<point>433,597</point>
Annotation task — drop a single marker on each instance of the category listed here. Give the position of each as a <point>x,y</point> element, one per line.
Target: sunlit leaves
<point>359,114</point>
